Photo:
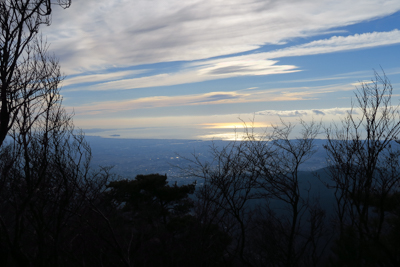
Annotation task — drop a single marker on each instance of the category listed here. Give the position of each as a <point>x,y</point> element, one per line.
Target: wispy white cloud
<point>338,43</point>
<point>159,101</point>
<point>252,64</point>
<point>212,98</point>
<point>285,113</point>
<point>101,77</point>
<point>330,45</point>
<point>307,112</point>
<point>190,75</point>
<point>102,34</point>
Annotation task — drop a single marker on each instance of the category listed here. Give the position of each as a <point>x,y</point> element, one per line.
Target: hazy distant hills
<point>131,157</point>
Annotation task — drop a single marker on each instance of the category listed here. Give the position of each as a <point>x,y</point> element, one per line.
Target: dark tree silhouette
<point>242,180</point>
<point>300,227</point>
<point>148,223</point>
<point>27,73</point>
<point>365,173</point>
<point>46,185</point>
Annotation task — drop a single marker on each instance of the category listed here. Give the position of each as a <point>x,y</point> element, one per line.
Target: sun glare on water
<point>230,131</point>
<point>228,125</point>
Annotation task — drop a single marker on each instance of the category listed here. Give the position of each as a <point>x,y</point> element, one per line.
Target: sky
<point>192,69</point>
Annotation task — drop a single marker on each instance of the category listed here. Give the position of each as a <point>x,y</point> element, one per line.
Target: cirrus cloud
<point>252,64</point>
<point>103,34</point>
<point>308,112</point>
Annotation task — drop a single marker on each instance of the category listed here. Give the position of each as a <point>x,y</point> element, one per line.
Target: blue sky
<point>194,69</point>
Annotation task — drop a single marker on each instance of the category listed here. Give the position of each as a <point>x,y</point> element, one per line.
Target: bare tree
<point>46,183</point>
<point>252,173</point>
<point>45,186</point>
<point>25,75</point>
<point>364,170</point>
<point>224,198</point>
<point>292,236</point>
